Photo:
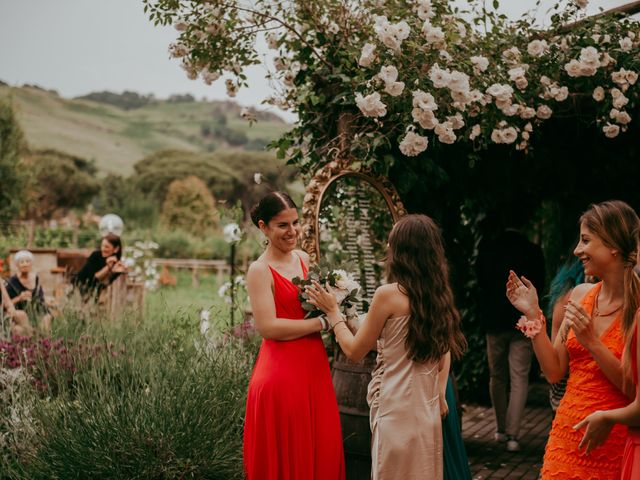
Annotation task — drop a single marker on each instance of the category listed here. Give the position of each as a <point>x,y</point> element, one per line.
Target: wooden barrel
<point>350,381</point>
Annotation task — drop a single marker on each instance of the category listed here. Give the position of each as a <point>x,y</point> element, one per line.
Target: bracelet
<point>333,327</point>
<point>324,323</point>
<point>531,328</point>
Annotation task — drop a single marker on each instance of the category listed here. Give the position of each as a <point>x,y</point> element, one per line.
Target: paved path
<point>489,459</point>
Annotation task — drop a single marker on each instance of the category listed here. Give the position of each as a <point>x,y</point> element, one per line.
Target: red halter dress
<point>292,425</point>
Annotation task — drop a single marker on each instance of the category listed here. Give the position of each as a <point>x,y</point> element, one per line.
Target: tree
<point>189,206</point>
<point>11,178</point>
<point>57,182</point>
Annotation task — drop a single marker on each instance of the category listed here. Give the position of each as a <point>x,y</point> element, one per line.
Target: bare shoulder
<point>258,269</point>
<point>392,298</point>
<point>385,292</point>
<point>304,256</point>
<point>580,291</point>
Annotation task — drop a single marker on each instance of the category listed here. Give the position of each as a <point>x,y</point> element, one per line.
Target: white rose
<point>368,55</point>
<point>394,89</point>
<point>371,106</point>
<point>458,81</point>
<point>413,144</point>
<point>480,62</point>
<point>496,135</point>
<point>528,127</point>
<point>388,74</point>
<point>527,113</point>
<point>573,68</point>
<point>544,112</point>
<point>402,30</point>
<point>425,118</point>
<point>272,40</point>
<point>626,44</point>
<point>598,94</point>
<point>180,26</point>
<point>606,60</point>
<point>537,48</point>
<point>509,135</point>
<point>521,83</point>
<point>590,56</point>
<point>178,50</point>
<point>509,110</point>
<point>581,3</point>
<point>501,92</point>
<point>623,118</point>
<point>620,101</point>
<point>512,55</point>
<point>445,133</point>
<point>475,132</point>
<point>632,77</point>
<point>433,35</point>
<point>210,77</point>
<point>439,77</point>
<point>257,178</point>
<point>456,121</point>
<point>544,80</point>
<point>425,10</point>
<point>619,77</point>
<point>333,28</point>
<point>232,233</point>
<point>611,131</point>
<point>424,100</point>
<point>615,93</point>
<point>278,63</point>
<point>561,94</point>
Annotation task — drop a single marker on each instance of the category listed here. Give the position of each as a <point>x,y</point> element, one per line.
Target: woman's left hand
<point>581,322</point>
<point>444,407</point>
<point>598,429</point>
<point>322,298</point>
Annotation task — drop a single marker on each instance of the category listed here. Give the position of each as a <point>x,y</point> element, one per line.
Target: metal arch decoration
<point>316,189</point>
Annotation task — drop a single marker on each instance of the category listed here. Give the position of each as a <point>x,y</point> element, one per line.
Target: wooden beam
<point>627,9</point>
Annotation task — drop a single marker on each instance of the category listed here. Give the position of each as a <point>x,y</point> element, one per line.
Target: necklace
<point>596,310</point>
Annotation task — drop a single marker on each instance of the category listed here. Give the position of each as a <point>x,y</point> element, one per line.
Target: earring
<point>266,242</point>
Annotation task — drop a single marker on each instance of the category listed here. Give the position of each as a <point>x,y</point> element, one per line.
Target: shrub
<point>190,206</point>
<point>165,410</point>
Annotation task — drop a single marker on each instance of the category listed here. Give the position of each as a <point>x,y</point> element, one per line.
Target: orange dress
<point>631,455</point>
<point>588,390</point>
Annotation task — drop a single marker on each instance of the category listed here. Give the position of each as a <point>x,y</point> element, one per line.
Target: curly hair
<point>417,262</point>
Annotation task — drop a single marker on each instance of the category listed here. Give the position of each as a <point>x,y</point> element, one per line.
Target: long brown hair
<point>416,261</point>
<point>617,225</point>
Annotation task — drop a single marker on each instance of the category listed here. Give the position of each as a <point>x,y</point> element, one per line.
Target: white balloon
<point>111,223</point>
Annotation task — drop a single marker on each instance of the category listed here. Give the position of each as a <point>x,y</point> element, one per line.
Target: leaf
<point>308,306</point>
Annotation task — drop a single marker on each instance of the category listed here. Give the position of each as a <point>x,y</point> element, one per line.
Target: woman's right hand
<point>25,296</point>
<point>111,261</point>
<point>522,295</point>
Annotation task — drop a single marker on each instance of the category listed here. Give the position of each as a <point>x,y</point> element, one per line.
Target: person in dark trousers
<point>509,353</point>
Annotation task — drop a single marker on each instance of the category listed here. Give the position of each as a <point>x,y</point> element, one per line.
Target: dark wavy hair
<point>271,205</point>
<point>416,261</point>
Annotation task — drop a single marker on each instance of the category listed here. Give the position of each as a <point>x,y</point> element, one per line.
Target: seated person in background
<point>102,267</point>
<point>19,319</point>
<point>26,292</point>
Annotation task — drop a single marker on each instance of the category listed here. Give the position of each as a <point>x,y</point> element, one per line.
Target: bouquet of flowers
<point>342,284</point>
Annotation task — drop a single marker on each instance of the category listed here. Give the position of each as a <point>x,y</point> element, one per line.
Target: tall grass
<point>160,408</point>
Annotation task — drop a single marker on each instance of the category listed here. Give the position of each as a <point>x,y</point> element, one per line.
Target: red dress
<point>292,425</point>
<point>631,455</point>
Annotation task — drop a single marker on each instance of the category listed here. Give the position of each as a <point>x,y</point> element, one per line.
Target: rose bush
<point>489,80</point>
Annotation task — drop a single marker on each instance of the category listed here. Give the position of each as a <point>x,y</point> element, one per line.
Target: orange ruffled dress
<point>588,390</point>
<point>631,455</point>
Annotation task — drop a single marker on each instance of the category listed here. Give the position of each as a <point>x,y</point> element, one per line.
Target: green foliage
<point>126,100</point>
<point>158,408</point>
<point>57,181</point>
<point>189,206</point>
<point>11,177</point>
<point>228,174</point>
<point>121,195</point>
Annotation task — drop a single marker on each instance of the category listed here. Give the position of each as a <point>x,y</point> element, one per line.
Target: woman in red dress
<point>292,425</point>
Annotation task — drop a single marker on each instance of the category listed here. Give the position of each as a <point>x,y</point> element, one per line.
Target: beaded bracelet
<point>531,328</point>
<point>324,323</point>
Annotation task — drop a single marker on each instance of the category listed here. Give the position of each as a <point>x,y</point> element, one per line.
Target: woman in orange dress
<point>292,425</point>
<point>599,424</point>
<point>590,342</point>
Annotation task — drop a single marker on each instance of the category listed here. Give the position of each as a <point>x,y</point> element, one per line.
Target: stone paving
<point>489,459</point>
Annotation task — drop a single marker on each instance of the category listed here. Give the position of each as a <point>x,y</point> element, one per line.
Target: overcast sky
<point>80,46</point>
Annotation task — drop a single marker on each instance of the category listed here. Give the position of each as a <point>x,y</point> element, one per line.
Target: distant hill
<point>117,130</point>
